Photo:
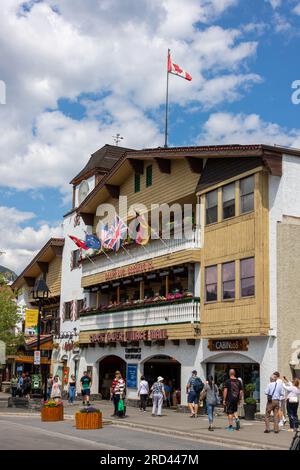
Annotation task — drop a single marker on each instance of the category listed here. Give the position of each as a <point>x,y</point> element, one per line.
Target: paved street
<point>26,433</point>
<point>138,431</point>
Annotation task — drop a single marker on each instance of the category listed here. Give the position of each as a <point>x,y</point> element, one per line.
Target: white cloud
<point>20,243</point>
<point>228,128</point>
<point>116,49</point>
<point>296,10</point>
<point>274,3</point>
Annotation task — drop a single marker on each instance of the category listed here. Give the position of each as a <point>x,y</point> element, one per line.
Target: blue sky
<point>78,72</point>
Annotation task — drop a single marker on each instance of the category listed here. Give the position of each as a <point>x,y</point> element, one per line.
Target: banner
<point>31,322</point>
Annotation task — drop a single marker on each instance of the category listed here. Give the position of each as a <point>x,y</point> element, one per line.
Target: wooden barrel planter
<point>88,420</point>
<point>55,413</point>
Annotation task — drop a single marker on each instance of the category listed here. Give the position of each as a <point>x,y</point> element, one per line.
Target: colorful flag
<point>116,235</point>
<point>79,243</point>
<point>103,236</point>
<point>93,242</point>
<point>142,231</point>
<point>176,70</point>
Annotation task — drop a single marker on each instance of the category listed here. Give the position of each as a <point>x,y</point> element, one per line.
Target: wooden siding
<point>178,331</point>
<point>231,240</point>
<point>161,262</point>
<point>53,278</point>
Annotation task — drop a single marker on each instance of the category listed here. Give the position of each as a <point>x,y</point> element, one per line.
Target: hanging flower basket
<point>88,418</point>
<point>52,411</point>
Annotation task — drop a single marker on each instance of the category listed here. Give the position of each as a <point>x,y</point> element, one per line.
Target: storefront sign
<point>123,336</point>
<point>133,353</point>
<point>131,270</point>
<point>131,376</point>
<point>37,358</point>
<point>228,344</point>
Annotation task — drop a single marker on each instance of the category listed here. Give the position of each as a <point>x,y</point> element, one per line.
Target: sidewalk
<point>251,434</point>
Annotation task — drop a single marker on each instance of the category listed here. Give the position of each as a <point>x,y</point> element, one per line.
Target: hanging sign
<point>31,322</point>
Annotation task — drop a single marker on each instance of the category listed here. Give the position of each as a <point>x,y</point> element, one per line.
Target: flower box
<point>52,413</point>
<point>88,420</point>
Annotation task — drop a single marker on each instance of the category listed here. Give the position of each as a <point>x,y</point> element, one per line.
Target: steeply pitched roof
<point>101,161</point>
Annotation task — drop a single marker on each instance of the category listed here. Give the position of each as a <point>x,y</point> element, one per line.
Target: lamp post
<point>40,292</point>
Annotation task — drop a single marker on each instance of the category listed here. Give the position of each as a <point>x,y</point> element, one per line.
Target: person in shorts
<point>86,388</point>
<point>193,389</point>
<point>232,395</point>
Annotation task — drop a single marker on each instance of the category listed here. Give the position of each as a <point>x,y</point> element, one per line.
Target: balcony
<point>185,311</point>
<point>136,253</point>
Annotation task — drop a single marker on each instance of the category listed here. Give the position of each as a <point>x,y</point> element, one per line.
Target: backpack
<point>198,385</point>
<point>235,389</point>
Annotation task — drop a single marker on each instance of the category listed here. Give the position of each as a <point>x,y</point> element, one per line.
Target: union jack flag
<point>116,234</point>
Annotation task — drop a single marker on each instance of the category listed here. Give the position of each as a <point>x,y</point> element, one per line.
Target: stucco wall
<point>288,279</point>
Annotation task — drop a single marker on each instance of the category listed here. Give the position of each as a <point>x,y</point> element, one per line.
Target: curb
<point>37,415</point>
<point>198,437</point>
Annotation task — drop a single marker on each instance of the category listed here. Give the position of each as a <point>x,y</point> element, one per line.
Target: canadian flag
<point>176,70</point>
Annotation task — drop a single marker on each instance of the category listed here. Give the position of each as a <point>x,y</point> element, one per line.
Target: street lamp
<point>40,292</point>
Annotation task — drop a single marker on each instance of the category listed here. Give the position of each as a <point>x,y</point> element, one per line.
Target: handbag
<point>121,405</point>
<point>270,396</point>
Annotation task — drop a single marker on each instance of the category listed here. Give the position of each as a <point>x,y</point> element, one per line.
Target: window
<point>67,310</point>
<point>211,284</point>
<point>137,183</point>
<point>212,207</point>
<point>247,194</point>
<point>149,176</point>
<point>228,281</point>
<point>80,305</point>
<point>247,277</point>
<point>75,258</point>
<point>228,196</point>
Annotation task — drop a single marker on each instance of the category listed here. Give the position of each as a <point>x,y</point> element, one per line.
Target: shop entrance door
<point>107,368</point>
<point>170,370</point>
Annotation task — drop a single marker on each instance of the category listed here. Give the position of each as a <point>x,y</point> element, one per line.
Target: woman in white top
<point>56,389</point>
<point>292,401</point>
<point>143,393</point>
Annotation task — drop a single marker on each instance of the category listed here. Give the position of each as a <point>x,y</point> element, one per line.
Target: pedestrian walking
<point>72,389</point>
<point>282,402</point>
<point>274,392</point>
<point>56,392</point>
<point>143,392</point>
<point>193,389</point>
<point>86,382</point>
<point>211,394</point>
<point>232,395</point>
<point>20,385</point>
<point>158,396</point>
<point>14,386</point>
<point>49,385</point>
<point>118,394</point>
<point>27,385</point>
<point>292,401</point>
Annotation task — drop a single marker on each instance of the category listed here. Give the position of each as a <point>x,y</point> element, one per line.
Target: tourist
<point>193,390</point>
<point>232,395</point>
<point>27,385</point>
<point>56,392</point>
<point>282,401</point>
<point>72,389</point>
<point>118,393</point>
<point>211,395</point>
<point>20,385</point>
<point>14,386</point>
<point>292,401</point>
<point>86,382</point>
<point>158,396</point>
<point>274,392</point>
<point>143,392</point>
<point>168,390</point>
<point>49,385</point>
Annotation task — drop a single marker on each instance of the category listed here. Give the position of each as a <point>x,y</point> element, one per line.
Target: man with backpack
<point>193,390</point>
<point>232,395</point>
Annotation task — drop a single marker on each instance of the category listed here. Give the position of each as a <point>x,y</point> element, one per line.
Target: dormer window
<point>83,191</point>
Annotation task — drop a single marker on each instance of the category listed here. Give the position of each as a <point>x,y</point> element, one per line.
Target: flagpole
<point>167,103</point>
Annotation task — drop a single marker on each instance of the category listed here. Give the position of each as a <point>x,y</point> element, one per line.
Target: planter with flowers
<point>250,403</point>
<point>52,411</point>
<point>88,418</point>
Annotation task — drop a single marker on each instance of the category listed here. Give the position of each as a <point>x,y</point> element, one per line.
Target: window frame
<point>249,277</point>
<point>233,184</point>
<point>212,207</point>
<point>246,194</point>
<point>68,308</point>
<point>149,176</point>
<point>210,284</point>
<point>230,299</point>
